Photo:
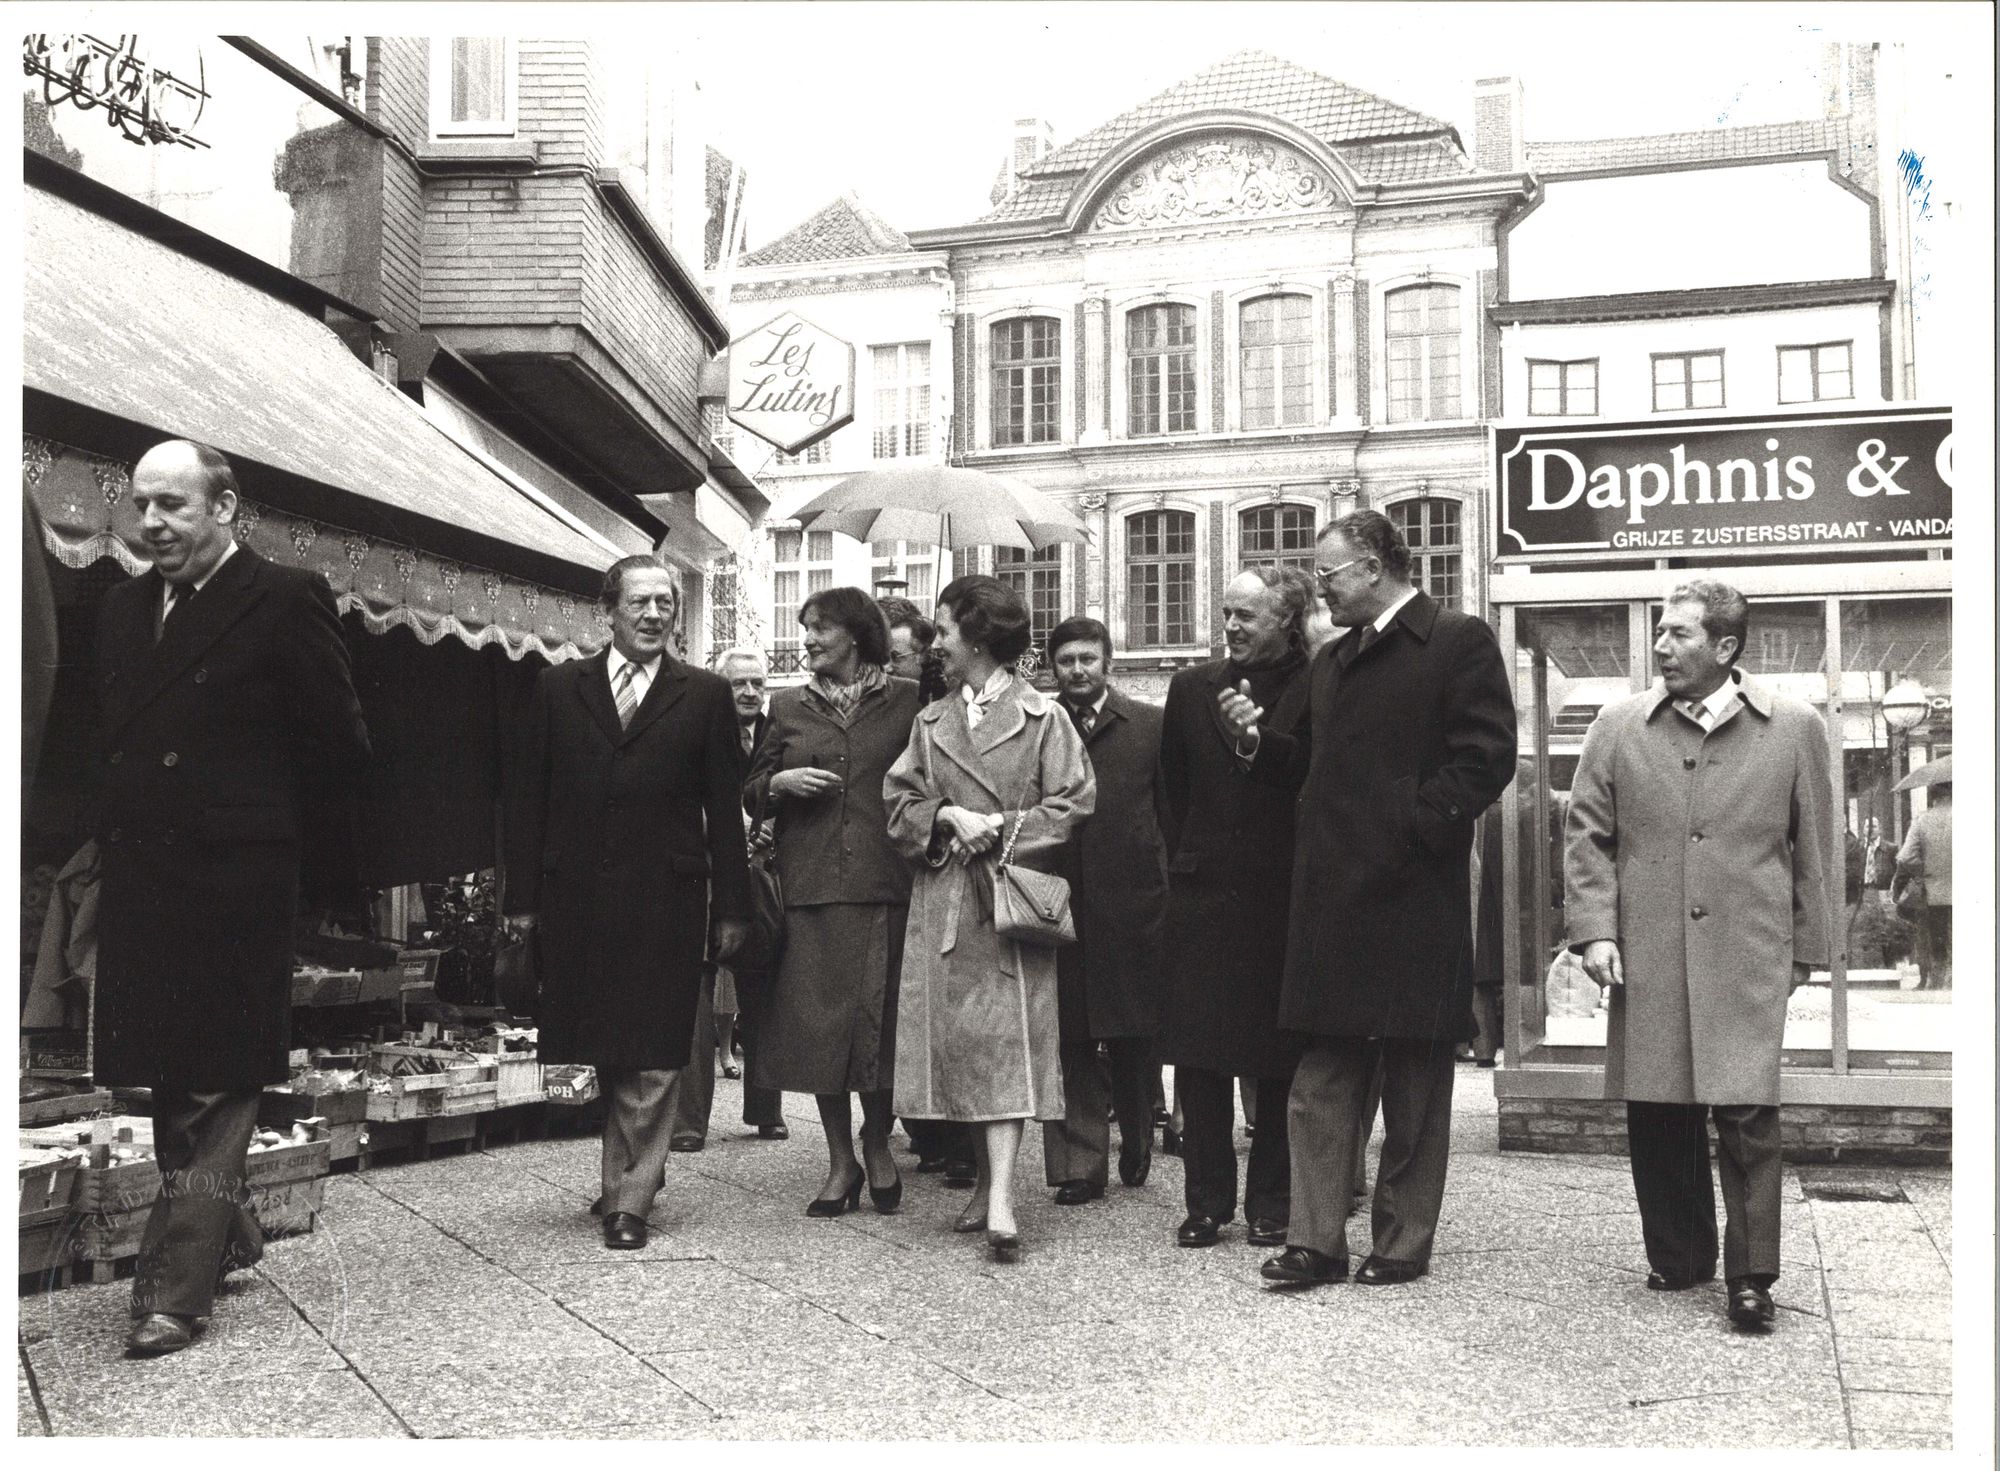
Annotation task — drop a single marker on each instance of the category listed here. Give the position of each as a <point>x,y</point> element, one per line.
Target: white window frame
<point>1064,316</point>
<point>1319,369</point>
<point>507,125</point>
<point>1563,389</point>
<point>1121,582</point>
<point>1468,352</point>
<point>1117,365</point>
<point>1687,358</point>
<point>788,637</point>
<point>907,554</point>
<point>902,384</point>
<point>1417,554</point>
<point>1813,370</point>
<point>1241,553</point>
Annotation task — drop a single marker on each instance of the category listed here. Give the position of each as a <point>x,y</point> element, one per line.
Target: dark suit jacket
<point>618,840</point>
<point>1393,759</point>
<point>835,849</point>
<point>1229,871</point>
<point>227,746</point>
<point>1109,984</point>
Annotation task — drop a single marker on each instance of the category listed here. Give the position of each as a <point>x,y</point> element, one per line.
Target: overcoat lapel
<point>1113,710</point>
<point>190,633</point>
<point>1004,719</point>
<point>950,738</point>
<point>669,684</point>
<point>593,687</point>
<point>1218,682</point>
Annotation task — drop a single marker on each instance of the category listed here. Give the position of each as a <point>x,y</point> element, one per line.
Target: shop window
<point>1437,550</point>
<point>1823,370</point>
<point>1027,381</point>
<point>914,563</point>
<point>902,400</point>
<point>1159,580</point>
<point>1566,389</point>
<point>801,565</point>
<point>1276,346</point>
<point>1422,337</point>
<point>1159,369</point>
<point>1281,534</point>
<point>1037,577</point>
<point>1686,380</point>
<point>472,86</point>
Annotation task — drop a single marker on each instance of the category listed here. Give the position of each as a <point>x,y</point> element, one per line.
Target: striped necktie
<point>176,595</point>
<point>624,693</point>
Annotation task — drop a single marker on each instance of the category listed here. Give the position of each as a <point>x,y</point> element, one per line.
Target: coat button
<point>201,676</point>
<point>116,757</point>
<point>1688,762</point>
<point>172,758</point>
<point>1697,913</point>
<point>118,835</point>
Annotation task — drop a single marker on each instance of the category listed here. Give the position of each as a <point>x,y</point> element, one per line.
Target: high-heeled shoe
<point>839,1205</point>
<point>1004,1245</point>
<point>967,1222</point>
<point>885,1198</point>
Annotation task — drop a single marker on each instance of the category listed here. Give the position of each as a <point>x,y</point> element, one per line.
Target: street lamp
<point>1905,705</point>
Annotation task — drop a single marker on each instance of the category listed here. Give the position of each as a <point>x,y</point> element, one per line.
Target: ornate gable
<point>1214,177</point>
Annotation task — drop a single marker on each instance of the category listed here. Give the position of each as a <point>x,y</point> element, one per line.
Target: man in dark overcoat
<point>1407,737</point>
<point>1229,846</point>
<point>625,834</point>
<point>1699,840</point>
<point>1107,983</point>
<point>232,740</point>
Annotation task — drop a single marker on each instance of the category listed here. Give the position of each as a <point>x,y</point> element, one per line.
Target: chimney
<point>1034,140</point>
<point>1496,125</point>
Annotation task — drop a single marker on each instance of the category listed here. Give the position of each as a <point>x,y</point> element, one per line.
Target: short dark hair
<point>614,579</point>
<point>1375,534</point>
<point>1294,591</point>
<point>1079,630</point>
<point>902,613</point>
<point>853,610</point>
<point>1725,612</point>
<point>991,615</point>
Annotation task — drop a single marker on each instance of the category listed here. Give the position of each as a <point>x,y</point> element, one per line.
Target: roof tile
<point>1705,145</point>
<point>844,230</point>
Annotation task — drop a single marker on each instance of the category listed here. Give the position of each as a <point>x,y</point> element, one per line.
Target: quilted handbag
<point>1029,906</point>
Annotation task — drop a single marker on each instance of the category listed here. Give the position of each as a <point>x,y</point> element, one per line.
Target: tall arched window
<point>1423,338</point>
<point>1437,552</point>
<point>1276,345</point>
<point>1159,369</point>
<point>1159,580</point>
<point>1027,381</point>
<point>1281,534</point>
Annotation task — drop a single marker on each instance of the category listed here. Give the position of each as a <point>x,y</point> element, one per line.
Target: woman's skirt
<point>831,1024</point>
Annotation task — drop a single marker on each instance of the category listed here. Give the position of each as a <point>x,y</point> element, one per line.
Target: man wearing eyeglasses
<point>1407,736</point>
<point>624,835</point>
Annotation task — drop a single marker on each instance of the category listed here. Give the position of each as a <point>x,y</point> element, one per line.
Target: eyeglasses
<point>1324,575</point>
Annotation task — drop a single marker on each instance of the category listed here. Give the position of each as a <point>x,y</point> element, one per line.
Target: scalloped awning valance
<point>86,506</point>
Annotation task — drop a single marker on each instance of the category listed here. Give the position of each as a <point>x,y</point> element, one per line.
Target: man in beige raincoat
<point>1696,865</point>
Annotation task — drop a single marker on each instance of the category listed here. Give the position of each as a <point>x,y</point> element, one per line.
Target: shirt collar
<point>228,551</point>
<point>1096,706</point>
<point>1720,699</point>
<point>1389,613</point>
<point>994,687</point>
<point>619,661</point>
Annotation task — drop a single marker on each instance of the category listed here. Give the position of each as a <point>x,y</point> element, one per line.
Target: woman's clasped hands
<point>969,834</point>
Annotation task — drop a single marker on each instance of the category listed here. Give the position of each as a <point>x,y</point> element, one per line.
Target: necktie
<point>626,696</point>
<point>176,595</point>
<point>1351,650</point>
<point>1697,712</point>
<point>1084,718</point>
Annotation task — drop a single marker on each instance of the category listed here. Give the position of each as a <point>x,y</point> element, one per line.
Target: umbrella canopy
<point>1931,774</point>
<point>943,505</point>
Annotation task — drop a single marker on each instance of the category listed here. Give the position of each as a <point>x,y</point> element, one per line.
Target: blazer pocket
<point>249,825</point>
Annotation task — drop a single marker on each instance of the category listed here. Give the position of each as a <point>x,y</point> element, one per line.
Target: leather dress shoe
<point>1301,1266</point>
<point>1078,1192</point>
<point>1750,1304</point>
<point>1199,1231</point>
<point>597,1206</point>
<point>160,1333</point>
<point>1265,1232</point>
<point>687,1144</point>
<point>624,1231</point>
<point>1135,1160</point>
<point>1667,1282</point>
<point>1170,1140</point>
<point>773,1131</point>
<point>930,1166</point>
<point>961,1174</point>
<point>1380,1272</point>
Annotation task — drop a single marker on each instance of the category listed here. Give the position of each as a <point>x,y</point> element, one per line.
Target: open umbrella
<point>1931,774</point>
<point>943,505</point>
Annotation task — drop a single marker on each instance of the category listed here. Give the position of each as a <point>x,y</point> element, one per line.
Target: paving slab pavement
<point>469,1296</point>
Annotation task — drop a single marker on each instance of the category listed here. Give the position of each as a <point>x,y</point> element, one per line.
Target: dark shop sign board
<point>1744,485</point>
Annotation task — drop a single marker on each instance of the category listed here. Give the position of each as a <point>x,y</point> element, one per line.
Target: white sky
<point>911,105</point>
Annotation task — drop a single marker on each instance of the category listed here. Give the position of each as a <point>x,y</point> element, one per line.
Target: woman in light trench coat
<point>976,1030</point>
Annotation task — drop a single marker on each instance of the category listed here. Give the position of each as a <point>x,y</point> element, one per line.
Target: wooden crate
<point>48,1185</point>
<point>471,1087</point>
<point>116,1188</point>
<point>520,1078</point>
<point>286,1208</point>
<point>43,1111</point>
<point>282,1106</point>
<point>45,1241</point>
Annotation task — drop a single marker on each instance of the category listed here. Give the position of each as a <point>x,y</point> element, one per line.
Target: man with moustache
<point>1696,860</point>
<point>231,736</point>
<point>1107,1001</point>
<point>625,841</point>
<point>727,992</point>
<point>1407,736</point>
<point>1229,868</point>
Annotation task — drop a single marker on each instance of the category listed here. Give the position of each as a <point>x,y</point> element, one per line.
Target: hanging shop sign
<point>144,102</point>
<point>1745,485</point>
<point>791,383</point>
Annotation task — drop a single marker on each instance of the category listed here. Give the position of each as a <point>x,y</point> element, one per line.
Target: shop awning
<point>404,523</point>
